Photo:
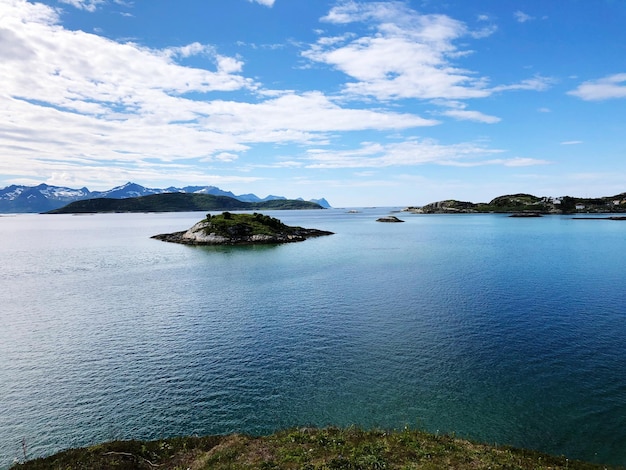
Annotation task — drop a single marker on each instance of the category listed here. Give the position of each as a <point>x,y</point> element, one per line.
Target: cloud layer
<point>74,102</point>
<point>88,99</point>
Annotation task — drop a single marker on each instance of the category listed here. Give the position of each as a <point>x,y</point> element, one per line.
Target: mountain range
<point>44,198</point>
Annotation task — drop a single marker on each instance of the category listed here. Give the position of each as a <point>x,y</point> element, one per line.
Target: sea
<point>508,331</point>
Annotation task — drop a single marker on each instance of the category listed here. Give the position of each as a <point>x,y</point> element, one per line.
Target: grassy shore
<point>305,448</point>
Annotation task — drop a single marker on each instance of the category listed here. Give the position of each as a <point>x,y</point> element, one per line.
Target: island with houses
<point>527,204</point>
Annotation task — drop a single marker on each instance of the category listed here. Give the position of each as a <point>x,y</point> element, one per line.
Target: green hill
<point>527,203</point>
<point>178,202</point>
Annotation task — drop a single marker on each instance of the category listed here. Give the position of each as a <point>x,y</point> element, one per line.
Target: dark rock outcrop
<point>389,219</point>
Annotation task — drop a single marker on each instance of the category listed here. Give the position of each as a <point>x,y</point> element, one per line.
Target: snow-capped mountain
<point>42,198</point>
<point>39,198</point>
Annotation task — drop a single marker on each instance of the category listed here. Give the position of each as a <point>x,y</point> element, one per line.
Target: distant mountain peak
<point>43,197</point>
<point>322,202</point>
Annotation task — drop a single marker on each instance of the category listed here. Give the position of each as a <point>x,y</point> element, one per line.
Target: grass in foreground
<point>305,449</point>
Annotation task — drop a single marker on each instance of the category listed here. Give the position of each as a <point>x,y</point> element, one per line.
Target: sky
<point>365,103</point>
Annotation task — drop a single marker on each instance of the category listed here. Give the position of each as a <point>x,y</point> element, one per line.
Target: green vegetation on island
<point>240,229</point>
<point>527,203</point>
<point>178,202</point>
<point>306,448</point>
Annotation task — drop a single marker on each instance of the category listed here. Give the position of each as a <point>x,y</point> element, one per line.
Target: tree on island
<point>568,205</point>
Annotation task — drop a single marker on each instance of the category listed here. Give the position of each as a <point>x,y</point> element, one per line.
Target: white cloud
<point>293,114</point>
<point>511,162</point>
<point>468,115</point>
<point>572,142</point>
<point>92,5</point>
<point>189,50</point>
<point>226,157</point>
<point>611,87</point>
<point>522,17</point>
<point>408,153</point>
<point>88,5</point>
<point>483,32</point>
<point>407,55</point>
<point>13,10</point>
<point>405,58</point>
<point>522,161</point>
<point>73,101</point>
<point>459,112</point>
<point>85,73</point>
<point>267,3</point>
<point>537,83</point>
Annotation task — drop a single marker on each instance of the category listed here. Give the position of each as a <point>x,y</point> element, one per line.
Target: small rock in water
<point>389,218</point>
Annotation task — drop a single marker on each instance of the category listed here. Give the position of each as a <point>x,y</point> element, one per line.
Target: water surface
<point>508,331</point>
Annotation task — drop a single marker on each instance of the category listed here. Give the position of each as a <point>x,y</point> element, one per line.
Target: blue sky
<point>364,103</point>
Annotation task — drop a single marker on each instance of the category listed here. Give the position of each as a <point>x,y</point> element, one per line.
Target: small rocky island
<point>240,229</point>
<point>389,219</point>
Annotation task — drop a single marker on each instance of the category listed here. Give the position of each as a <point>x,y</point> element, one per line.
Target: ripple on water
<point>492,328</point>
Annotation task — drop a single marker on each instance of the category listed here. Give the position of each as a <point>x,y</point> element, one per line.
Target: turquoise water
<point>508,331</point>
